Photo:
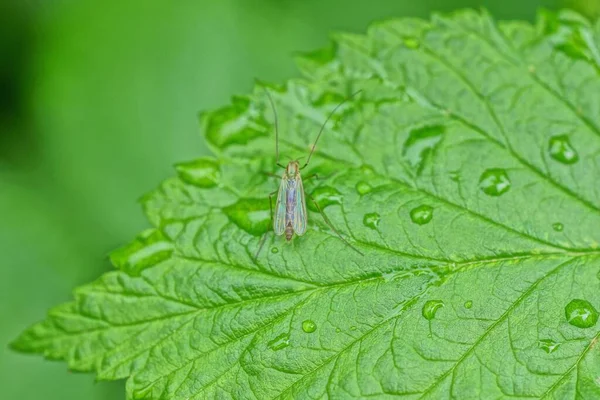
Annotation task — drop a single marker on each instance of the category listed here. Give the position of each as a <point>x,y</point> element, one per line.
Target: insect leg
<point>264,238</point>
<point>271,175</point>
<point>331,225</point>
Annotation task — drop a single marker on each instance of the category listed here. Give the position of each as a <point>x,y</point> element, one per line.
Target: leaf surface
<point>464,171</point>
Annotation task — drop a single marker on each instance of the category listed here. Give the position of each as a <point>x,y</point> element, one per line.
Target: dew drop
<point>337,330</point>
<point>203,172</point>
<point>371,220</point>
<point>324,196</point>
<point>558,227</point>
<point>420,144</point>
<point>548,345</point>
<point>353,328</point>
<point>309,326</point>
<point>581,313</point>
<point>280,342</point>
<point>561,150</point>
<point>251,215</point>
<point>274,250</point>
<point>363,188</point>
<point>421,215</point>
<point>468,304</point>
<point>494,182</point>
<point>411,43</point>
<point>430,308</point>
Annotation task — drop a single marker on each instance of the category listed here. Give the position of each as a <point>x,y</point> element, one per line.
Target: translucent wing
<point>279,217</point>
<point>299,221</point>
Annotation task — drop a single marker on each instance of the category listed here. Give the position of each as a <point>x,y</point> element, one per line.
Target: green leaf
<point>465,171</point>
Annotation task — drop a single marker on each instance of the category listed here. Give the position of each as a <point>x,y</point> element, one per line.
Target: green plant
<point>465,171</point>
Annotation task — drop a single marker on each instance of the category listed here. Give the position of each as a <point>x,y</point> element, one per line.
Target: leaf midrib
<point>573,256</point>
<point>501,319</point>
<point>464,356</point>
<point>563,376</point>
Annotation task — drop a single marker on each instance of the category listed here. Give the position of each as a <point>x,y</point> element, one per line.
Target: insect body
<point>290,211</point>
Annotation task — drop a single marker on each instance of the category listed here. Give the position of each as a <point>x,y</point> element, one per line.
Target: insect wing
<point>279,217</point>
<point>299,221</point>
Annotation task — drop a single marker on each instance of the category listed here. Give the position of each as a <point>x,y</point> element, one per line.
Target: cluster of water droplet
<point>578,313</point>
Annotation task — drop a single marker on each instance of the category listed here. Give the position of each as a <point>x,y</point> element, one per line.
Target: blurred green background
<point>98,99</point>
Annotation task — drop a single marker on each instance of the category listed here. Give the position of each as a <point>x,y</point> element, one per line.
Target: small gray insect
<point>290,216</point>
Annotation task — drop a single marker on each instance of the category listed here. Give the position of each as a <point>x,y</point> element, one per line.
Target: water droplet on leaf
<point>430,308</point>
<point>353,328</point>
<point>309,326</point>
<point>468,304</point>
<point>280,342</point>
<point>420,144</point>
<point>203,172</point>
<point>363,188</point>
<point>561,150</point>
<point>581,313</point>
<point>251,215</point>
<point>274,250</point>
<point>548,345</point>
<point>494,182</point>
<point>371,220</point>
<point>324,196</point>
<point>421,215</point>
<point>558,227</point>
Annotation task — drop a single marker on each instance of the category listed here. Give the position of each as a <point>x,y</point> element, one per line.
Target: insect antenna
<point>325,123</point>
<point>276,128</point>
